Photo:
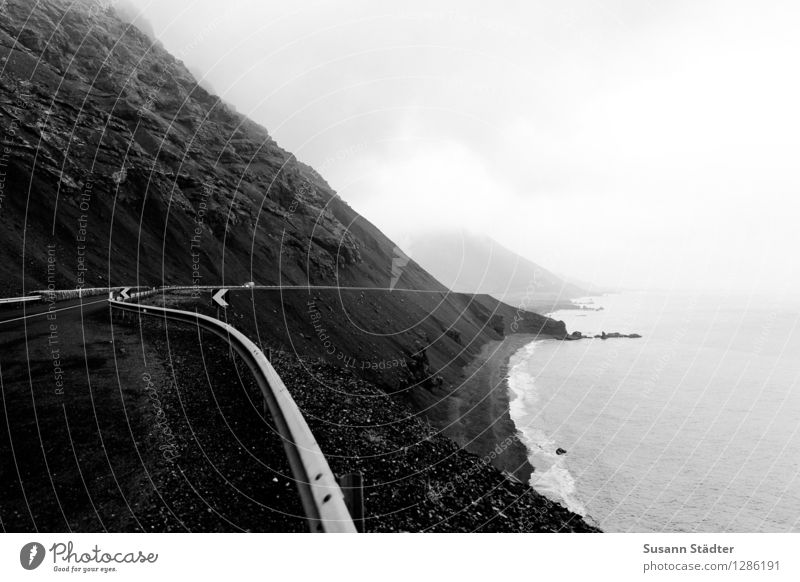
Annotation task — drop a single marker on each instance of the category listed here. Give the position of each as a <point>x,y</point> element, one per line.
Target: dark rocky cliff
<point>108,137</point>
<point>118,169</point>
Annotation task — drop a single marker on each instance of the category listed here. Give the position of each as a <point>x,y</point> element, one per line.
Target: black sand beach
<point>481,407</point>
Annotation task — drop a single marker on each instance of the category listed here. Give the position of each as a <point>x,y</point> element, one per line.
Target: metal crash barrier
<point>14,301</point>
<point>322,498</point>
<point>64,294</point>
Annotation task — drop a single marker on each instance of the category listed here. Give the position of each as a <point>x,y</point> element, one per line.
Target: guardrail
<point>322,498</point>
<point>45,295</point>
<point>12,300</point>
<point>63,294</point>
<point>141,294</point>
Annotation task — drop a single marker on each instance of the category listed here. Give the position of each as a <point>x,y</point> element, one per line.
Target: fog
<point>629,143</point>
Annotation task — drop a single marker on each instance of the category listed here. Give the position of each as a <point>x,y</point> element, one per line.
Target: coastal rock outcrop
<point>577,335</point>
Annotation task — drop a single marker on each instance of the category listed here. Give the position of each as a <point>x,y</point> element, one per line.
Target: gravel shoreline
<point>415,478</point>
<point>481,407</point>
<point>186,447</point>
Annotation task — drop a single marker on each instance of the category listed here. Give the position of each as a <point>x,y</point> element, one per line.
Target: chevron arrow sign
<point>218,297</point>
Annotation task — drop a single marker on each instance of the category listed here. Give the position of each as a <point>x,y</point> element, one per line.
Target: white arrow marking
<point>124,293</point>
<point>217,297</point>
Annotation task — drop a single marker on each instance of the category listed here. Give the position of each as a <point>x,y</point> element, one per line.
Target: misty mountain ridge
<point>122,170</point>
<point>128,12</point>
<point>109,129</point>
<point>470,262</point>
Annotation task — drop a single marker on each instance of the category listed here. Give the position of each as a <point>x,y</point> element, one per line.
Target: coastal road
<point>305,288</point>
<point>88,407</point>
<point>18,315</point>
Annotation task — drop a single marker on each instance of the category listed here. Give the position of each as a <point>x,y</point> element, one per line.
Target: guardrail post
<point>352,485</point>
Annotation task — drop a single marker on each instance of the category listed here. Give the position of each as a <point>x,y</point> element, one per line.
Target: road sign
<point>218,297</point>
<point>124,293</point>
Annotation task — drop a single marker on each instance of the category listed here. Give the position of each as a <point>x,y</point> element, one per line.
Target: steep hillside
<point>472,263</point>
<point>120,170</point>
<point>111,145</point>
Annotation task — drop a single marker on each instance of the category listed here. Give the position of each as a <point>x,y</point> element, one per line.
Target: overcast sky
<point>629,142</point>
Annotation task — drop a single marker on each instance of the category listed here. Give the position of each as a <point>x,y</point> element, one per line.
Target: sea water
<point>693,427</point>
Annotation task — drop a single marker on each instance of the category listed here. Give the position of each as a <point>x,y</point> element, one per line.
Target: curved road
<point>12,316</point>
<point>87,408</point>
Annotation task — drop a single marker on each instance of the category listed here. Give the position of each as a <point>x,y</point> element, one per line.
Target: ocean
<point>693,427</point>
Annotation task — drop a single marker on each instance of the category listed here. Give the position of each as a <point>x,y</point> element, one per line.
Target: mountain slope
<point>111,140</point>
<point>471,263</point>
<point>118,169</point>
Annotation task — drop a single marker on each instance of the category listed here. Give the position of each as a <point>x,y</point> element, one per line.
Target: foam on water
<point>552,477</point>
<point>693,427</point>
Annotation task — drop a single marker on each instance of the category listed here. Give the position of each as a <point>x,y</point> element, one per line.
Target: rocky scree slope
<point>119,169</point>
<point>109,138</point>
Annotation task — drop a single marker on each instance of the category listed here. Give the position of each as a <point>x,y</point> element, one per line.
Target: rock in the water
<point>616,334</point>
